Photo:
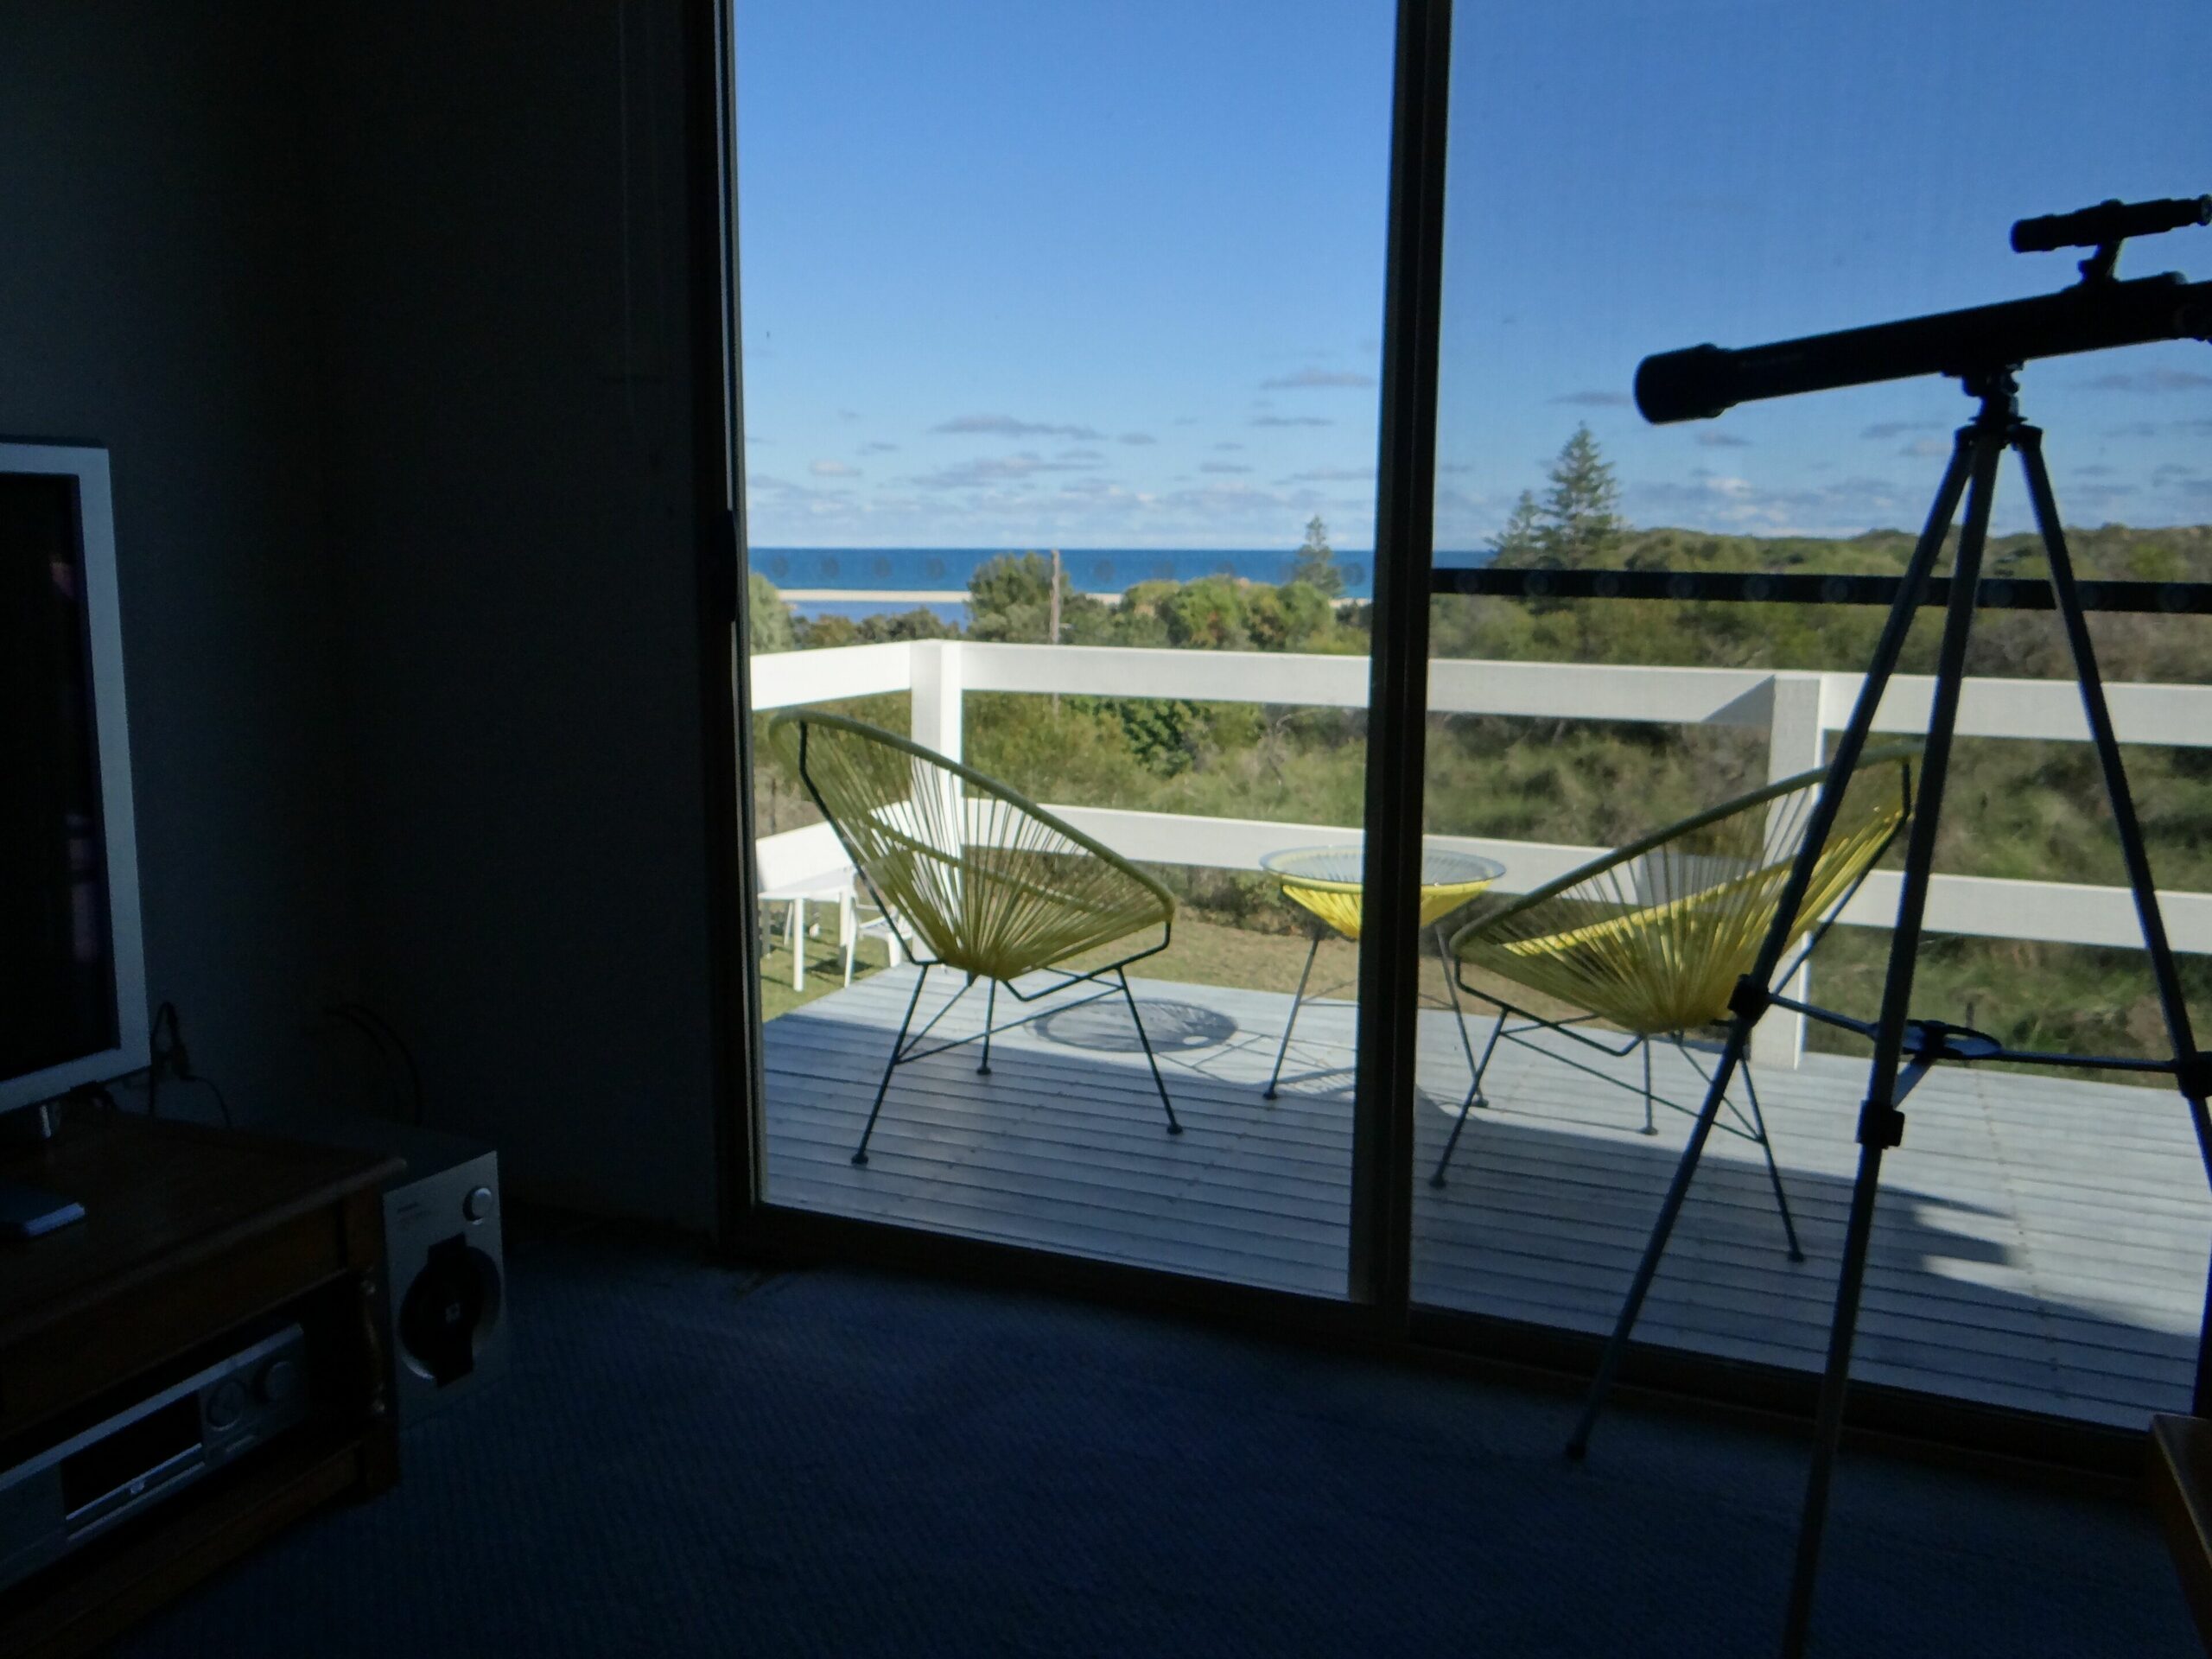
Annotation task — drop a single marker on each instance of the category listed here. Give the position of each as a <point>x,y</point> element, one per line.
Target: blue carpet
<point>685,1461</point>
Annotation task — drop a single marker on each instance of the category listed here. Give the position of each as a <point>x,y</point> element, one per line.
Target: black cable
<point>221,1104</point>
<point>378,1029</point>
<point>406,1054</point>
<point>167,1054</point>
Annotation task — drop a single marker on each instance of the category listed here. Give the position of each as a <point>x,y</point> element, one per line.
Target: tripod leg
<point>1474,1096</point>
<point>1829,1421</point>
<point>860,1152</point>
<point>2191,1069</point>
<point>1677,1190</point>
<point>1275,1076</point>
<point>1818,825</point>
<point>2172,1000</point>
<point>1773,1173</point>
<point>1880,1124</point>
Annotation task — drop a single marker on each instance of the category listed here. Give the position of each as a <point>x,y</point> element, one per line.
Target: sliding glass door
<point>1061,346</point>
<point>1078,706</point>
<point>1640,179</point>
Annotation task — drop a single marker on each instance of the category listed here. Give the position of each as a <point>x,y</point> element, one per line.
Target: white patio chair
<point>809,866</point>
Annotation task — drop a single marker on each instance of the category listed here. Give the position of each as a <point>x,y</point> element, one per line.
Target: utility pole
<point>1053,636</point>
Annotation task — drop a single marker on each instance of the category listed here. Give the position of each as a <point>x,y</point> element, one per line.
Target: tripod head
<point>2096,313</point>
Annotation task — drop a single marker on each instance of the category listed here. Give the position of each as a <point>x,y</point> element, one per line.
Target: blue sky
<point>1110,274</point>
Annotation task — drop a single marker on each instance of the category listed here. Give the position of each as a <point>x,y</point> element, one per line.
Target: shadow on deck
<point>2040,1244</point>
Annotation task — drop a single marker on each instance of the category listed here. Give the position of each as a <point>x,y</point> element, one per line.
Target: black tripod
<point>1905,1048</point>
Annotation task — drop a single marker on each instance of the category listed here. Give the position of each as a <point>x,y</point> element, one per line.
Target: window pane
<point>1061,340</point>
<point>1654,177</point>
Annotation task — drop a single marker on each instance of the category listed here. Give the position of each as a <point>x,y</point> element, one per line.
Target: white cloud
<point>996,470</point>
<point>2158,379</point>
<point>1316,379</point>
<point>1005,426</point>
<point>832,469</point>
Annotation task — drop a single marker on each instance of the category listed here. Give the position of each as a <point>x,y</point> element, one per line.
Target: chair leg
<point>1275,1076</point>
<point>1650,1128</point>
<point>1458,1011</point>
<point>793,933</point>
<point>990,1016</point>
<point>1158,1082</point>
<point>1773,1174</point>
<point>860,1152</point>
<point>848,934</point>
<point>1475,1097</point>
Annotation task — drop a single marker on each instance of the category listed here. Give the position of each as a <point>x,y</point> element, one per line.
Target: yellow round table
<point>1326,881</point>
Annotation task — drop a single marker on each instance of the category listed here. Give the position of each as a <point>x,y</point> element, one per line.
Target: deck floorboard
<point>2040,1244</point>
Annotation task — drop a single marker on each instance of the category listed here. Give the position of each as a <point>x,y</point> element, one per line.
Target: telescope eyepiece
<point>2109,222</point>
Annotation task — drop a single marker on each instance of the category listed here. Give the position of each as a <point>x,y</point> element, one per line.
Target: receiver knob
<point>225,1403</point>
<point>280,1381</point>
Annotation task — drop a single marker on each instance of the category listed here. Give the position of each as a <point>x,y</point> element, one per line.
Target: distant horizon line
<point>1369,552</point>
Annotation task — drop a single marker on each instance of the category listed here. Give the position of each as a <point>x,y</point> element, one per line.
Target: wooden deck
<point>2040,1243</point>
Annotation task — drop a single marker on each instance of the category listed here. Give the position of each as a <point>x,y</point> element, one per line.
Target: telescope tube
<point>1703,381</point>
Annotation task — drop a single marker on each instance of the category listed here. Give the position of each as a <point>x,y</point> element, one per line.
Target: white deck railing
<point>1796,710</point>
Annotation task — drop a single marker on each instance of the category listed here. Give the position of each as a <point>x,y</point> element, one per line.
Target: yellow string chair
<point>974,877</point>
<point>1652,939</point>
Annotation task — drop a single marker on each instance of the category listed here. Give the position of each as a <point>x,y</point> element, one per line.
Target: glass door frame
<point>1378,1312</point>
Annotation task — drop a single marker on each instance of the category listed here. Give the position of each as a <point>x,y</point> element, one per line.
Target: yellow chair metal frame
<point>1653,938</point>
<point>974,877</point>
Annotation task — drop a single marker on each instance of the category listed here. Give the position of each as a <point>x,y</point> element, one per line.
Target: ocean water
<point>921,570</point>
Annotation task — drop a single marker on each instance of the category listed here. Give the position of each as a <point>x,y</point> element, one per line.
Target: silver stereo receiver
<point>69,1494</point>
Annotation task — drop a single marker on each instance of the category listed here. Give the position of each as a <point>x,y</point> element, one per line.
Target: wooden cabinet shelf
<point>195,1240</point>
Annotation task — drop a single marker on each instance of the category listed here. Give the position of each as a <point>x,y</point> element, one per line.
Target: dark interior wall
<point>156,229</point>
<point>380,310</point>
<point>509,492</point>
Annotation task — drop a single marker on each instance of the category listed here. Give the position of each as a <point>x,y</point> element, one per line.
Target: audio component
<point>445,1277</point>
<point>69,1494</point>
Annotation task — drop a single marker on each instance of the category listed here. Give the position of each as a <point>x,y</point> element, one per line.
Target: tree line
<point>2027,809</point>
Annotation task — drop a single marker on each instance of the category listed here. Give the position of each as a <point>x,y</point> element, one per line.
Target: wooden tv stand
<point>195,1242</point>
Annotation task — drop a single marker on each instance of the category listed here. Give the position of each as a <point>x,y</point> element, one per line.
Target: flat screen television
<point>73,991</point>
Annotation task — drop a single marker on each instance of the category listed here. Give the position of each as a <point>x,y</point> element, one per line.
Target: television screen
<point>57,969</point>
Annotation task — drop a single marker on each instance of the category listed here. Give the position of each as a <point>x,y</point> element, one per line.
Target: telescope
<point>2097,313</point>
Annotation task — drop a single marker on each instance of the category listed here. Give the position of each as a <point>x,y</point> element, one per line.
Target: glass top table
<point>1326,881</point>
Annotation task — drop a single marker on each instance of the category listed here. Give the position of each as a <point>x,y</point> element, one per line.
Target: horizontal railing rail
<point>1796,709</point>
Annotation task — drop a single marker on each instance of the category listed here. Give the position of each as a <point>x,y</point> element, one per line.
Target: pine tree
<point>1581,522</point>
<point>1522,540</point>
<point>1315,561</point>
